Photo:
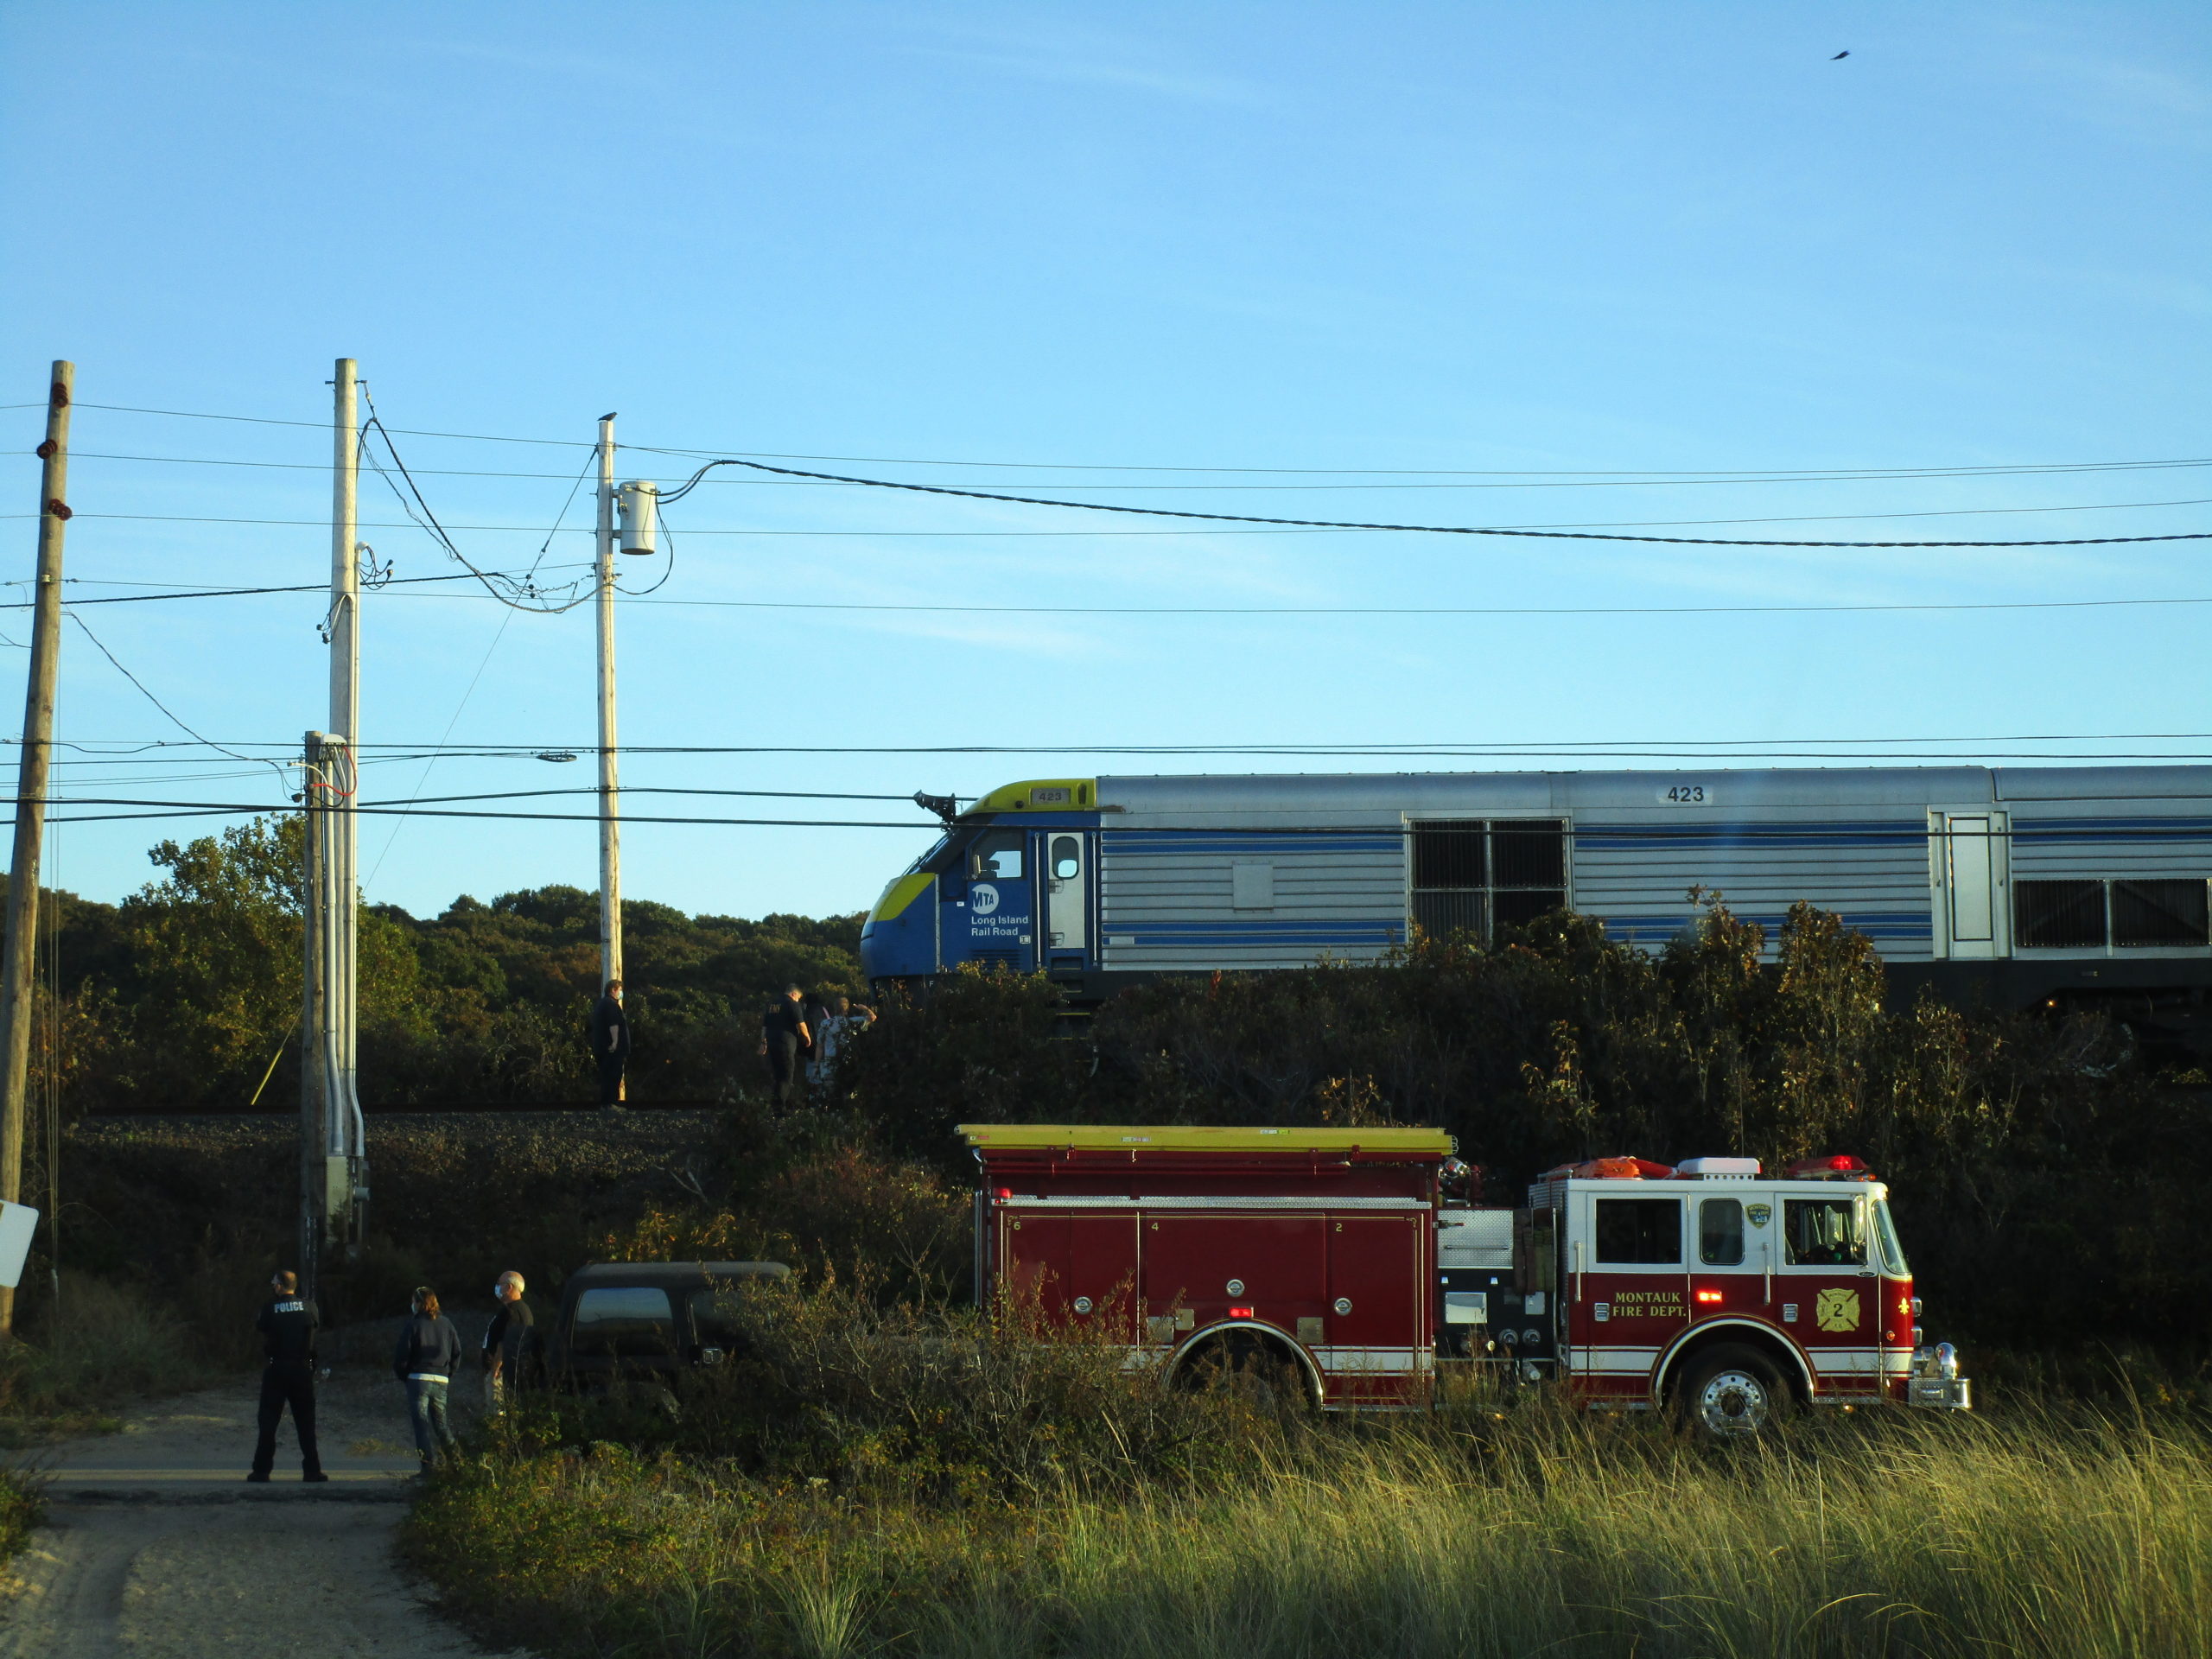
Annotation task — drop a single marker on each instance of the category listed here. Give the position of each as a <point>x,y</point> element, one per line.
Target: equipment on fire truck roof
<point>1611,1169</point>
<point>1430,1143</point>
<point>1695,1168</point>
<point>1841,1167</point>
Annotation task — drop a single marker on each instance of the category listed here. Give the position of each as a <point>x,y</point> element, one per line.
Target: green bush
<point>107,1343</point>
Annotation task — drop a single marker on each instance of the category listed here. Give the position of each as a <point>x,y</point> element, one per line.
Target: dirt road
<point>155,1547</point>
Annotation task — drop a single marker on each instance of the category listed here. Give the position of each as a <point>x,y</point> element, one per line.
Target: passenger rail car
<point>2007,887</point>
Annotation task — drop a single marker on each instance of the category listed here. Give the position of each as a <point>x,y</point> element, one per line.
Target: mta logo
<point>982,898</point>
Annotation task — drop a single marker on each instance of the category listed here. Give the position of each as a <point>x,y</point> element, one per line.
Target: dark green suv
<point>645,1322</point>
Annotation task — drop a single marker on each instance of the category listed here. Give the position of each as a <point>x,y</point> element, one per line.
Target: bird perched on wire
<point>1840,56</point>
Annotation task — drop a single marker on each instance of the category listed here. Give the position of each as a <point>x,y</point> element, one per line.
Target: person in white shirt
<point>831,1035</point>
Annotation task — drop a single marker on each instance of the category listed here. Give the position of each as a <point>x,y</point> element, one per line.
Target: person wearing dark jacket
<point>785,1040</point>
<point>287,1325</point>
<point>610,1042</point>
<point>428,1355</point>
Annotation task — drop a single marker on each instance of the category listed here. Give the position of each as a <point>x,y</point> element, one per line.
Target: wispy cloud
<point>1089,58</point>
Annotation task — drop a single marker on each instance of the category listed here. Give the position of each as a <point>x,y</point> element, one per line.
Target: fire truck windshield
<point>1825,1232</point>
<point>1892,1247</point>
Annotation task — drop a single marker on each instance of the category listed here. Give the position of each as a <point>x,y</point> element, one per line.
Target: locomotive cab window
<point>1825,1232</point>
<point>996,855</point>
<point>1639,1232</point>
<point>1067,858</point>
<point>1721,1232</point>
<point>1476,876</point>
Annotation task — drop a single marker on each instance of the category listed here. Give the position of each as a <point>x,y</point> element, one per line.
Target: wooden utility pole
<point>18,972</point>
<point>610,809</point>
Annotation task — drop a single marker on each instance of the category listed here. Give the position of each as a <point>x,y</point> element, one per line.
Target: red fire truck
<point>1339,1264</point>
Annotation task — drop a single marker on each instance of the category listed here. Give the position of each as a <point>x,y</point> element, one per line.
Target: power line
<point>1431,530</point>
<point>1415,611</point>
<point>226,593</point>
<point>1801,473</point>
<point>1529,482</point>
<point>173,719</point>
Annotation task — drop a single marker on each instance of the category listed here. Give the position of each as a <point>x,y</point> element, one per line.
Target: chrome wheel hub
<point>1734,1402</point>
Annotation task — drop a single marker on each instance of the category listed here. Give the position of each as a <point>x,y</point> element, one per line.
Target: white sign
<point>982,898</point>
<point>17,1223</point>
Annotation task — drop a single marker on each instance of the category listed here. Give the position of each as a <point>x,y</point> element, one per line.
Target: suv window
<point>714,1315</point>
<point>1645,1232</point>
<point>1825,1232</point>
<point>624,1320</point>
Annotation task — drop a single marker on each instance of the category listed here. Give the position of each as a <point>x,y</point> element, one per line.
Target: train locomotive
<point>2008,886</point>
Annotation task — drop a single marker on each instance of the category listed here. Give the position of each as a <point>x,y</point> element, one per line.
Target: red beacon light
<point>1709,1297</point>
<point>1843,1166</point>
<point>1240,1313</point>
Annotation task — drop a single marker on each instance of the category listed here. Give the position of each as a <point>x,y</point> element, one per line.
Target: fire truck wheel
<point>1249,1368</point>
<point>1732,1392</point>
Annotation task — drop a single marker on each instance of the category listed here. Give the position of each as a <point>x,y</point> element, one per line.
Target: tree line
<point>186,996</point>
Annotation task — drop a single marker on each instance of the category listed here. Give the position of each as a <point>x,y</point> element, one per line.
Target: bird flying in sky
<point>1839,56</point>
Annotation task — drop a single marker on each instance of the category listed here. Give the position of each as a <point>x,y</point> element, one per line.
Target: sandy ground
<point>155,1547</point>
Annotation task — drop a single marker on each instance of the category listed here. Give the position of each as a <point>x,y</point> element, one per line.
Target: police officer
<point>287,1325</point>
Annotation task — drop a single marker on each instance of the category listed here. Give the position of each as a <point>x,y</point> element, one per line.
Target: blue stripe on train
<point>1898,925</point>
<point>2113,829</point>
<point>1319,935</point>
<point>1296,841</point>
<point>1616,837</point>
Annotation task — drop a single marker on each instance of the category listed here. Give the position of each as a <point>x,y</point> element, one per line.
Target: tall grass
<point>105,1343</point>
<point>952,1497</point>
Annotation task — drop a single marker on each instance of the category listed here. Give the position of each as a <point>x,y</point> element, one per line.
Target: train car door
<point>1067,895</point>
<point>1970,866</point>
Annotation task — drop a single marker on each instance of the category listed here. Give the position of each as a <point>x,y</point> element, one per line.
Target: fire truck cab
<point>1710,1284</point>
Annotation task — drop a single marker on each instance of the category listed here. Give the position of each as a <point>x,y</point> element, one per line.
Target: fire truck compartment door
<point>1376,1281</point>
<point>1275,1262</point>
<point>1062,1260</point>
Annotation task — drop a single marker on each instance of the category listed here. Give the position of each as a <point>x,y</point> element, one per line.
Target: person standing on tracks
<point>610,1042</point>
<point>783,1038</point>
<point>506,1344</point>
<point>287,1325</point>
<point>428,1355</point>
<point>839,1021</point>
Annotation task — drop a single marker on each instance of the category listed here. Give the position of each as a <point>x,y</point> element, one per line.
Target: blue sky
<point>1472,239</point>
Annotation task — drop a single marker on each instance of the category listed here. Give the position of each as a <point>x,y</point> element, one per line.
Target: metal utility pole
<point>610,832</point>
<point>333,1166</point>
<point>19,970</point>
